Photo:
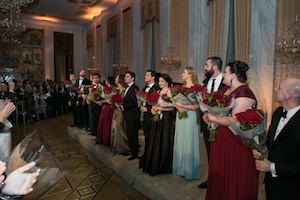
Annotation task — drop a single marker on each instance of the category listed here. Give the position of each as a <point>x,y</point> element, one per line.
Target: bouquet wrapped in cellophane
<point>31,149</point>
<point>219,105</point>
<point>178,94</point>
<point>251,128</point>
<point>141,96</point>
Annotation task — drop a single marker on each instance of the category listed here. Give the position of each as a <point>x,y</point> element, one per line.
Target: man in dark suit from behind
<point>82,108</point>
<point>213,83</point>
<point>151,86</point>
<point>282,167</point>
<point>131,114</point>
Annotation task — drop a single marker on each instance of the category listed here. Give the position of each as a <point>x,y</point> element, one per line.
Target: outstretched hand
<point>19,182</point>
<point>7,110</point>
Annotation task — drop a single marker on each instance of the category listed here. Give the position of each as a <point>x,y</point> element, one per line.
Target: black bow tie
<point>284,114</point>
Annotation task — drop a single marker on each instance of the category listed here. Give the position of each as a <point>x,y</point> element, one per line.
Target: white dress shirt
<point>218,81</point>
<point>149,87</point>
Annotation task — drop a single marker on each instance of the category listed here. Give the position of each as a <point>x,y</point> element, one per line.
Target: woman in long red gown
<point>232,174</point>
<point>105,119</point>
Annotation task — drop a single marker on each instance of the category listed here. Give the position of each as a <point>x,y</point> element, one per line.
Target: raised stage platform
<point>164,186</point>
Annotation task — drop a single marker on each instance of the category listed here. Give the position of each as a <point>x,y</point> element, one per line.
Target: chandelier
<point>14,3</point>
<point>10,24</point>
<point>170,60</point>
<point>9,43</point>
<point>288,45</point>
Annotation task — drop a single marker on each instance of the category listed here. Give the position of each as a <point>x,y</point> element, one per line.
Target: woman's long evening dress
<point>186,154</point>
<point>158,155</point>
<point>232,174</point>
<point>104,125</point>
<point>119,141</point>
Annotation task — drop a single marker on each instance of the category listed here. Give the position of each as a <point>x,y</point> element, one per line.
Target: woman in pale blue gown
<point>186,154</point>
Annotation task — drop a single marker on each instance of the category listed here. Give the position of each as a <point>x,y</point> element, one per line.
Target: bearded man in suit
<point>131,114</point>
<point>282,167</point>
<point>213,83</point>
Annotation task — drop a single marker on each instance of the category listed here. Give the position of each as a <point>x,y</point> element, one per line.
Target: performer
<point>282,169</point>
<point>131,114</point>
<point>213,83</point>
<point>232,174</point>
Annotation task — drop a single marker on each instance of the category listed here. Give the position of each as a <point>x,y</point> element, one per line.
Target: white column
<point>198,34</point>
<point>262,49</point>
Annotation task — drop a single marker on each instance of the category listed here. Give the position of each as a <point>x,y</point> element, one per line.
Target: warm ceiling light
<point>45,18</point>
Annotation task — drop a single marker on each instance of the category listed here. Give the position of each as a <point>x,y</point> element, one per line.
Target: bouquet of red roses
<point>70,87</point>
<point>141,96</point>
<point>218,105</point>
<point>165,101</point>
<point>152,99</point>
<point>252,128</point>
<point>195,93</point>
<point>179,94</point>
<point>84,90</point>
<point>116,99</point>
<point>96,94</point>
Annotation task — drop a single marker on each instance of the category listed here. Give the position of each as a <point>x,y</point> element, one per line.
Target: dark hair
<point>121,80</point>
<point>167,78</point>
<point>240,69</point>
<point>216,61</point>
<point>111,80</point>
<point>96,74</point>
<point>153,74</point>
<point>132,74</point>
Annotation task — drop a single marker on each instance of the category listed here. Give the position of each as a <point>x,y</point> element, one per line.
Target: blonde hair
<point>192,71</point>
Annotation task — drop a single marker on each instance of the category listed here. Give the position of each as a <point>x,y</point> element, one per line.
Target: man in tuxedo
<point>213,83</point>
<point>282,168</point>
<point>72,99</point>
<point>82,108</point>
<point>131,114</point>
<point>94,108</point>
<point>151,86</point>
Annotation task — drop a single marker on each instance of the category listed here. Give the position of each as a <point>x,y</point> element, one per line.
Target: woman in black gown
<point>157,158</point>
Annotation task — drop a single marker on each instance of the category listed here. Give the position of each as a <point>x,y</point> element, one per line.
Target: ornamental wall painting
<point>26,61</point>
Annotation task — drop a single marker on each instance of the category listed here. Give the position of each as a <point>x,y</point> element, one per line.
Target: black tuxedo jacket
<point>285,153</point>
<point>85,81</point>
<point>131,110</point>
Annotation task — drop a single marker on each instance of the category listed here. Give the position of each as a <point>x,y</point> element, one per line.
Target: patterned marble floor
<point>88,177</point>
